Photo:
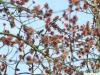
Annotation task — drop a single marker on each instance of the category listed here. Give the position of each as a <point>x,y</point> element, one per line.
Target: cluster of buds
<point>20,2</point>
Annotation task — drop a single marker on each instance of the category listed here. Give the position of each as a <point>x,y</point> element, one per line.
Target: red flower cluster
<point>20,2</point>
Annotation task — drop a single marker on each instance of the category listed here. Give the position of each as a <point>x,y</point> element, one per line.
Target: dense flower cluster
<point>57,46</point>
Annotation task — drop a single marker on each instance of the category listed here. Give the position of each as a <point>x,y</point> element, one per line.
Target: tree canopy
<point>59,46</point>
